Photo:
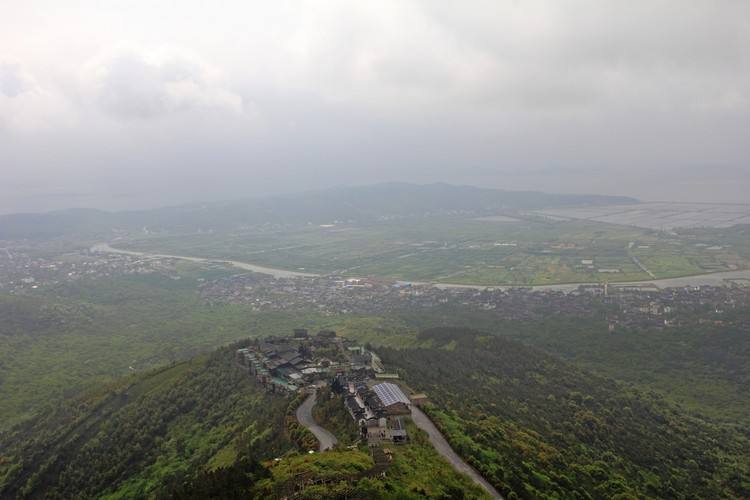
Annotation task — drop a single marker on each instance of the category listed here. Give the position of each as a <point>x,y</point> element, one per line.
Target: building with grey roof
<point>393,399</point>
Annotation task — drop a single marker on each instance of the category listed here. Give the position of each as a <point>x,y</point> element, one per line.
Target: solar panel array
<point>390,393</point>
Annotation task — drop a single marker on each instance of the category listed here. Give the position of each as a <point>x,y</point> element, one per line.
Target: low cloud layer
<point>126,105</point>
<point>25,105</point>
<point>136,84</point>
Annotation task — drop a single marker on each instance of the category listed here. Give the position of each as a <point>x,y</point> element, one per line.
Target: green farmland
<point>462,250</point>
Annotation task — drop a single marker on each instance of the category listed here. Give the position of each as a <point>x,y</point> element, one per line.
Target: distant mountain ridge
<point>361,203</point>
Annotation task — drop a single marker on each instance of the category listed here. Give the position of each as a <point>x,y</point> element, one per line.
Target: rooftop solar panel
<point>390,393</point>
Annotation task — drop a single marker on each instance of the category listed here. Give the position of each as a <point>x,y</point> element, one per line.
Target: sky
<point>135,104</point>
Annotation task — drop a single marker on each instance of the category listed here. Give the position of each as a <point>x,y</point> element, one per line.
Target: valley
<point>465,251</point>
<point>533,385</point>
<point>374,250</point>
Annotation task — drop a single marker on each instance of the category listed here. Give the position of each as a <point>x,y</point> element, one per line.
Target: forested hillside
<point>148,435</point>
<point>536,426</point>
<point>533,424</point>
<point>79,335</point>
<point>204,429</point>
<point>705,368</point>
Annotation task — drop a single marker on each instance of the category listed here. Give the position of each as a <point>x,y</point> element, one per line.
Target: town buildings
<point>290,363</point>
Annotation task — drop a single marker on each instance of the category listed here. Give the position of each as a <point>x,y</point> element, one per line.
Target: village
<point>25,273</point>
<point>304,363</point>
<point>622,305</point>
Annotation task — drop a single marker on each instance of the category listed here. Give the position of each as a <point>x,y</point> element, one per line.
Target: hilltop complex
<point>304,362</point>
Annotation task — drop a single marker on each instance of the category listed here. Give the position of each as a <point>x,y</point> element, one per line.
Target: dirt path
<point>441,445</point>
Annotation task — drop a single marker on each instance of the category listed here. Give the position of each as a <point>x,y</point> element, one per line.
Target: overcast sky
<point>129,104</point>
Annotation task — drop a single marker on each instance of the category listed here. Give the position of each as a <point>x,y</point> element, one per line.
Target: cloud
<point>27,106</point>
<point>254,97</point>
<point>12,80</point>
<point>138,84</point>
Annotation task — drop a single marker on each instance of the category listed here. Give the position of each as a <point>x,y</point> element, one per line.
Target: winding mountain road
<point>305,418</point>
<point>441,445</point>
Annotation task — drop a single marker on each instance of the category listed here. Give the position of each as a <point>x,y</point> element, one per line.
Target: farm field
<point>461,250</point>
<point>661,215</point>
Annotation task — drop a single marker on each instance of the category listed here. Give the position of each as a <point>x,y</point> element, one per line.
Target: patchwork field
<point>503,250</point>
<point>661,216</point>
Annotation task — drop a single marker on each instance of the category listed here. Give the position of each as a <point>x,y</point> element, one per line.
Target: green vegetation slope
<point>203,429</point>
<point>144,436</point>
<point>537,427</point>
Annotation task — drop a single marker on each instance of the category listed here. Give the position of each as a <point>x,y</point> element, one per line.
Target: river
<point>708,279</point>
<point>272,271</point>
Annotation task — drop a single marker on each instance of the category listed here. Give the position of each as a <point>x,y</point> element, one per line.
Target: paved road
<point>707,279</point>
<point>441,445</point>
<point>304,417</point>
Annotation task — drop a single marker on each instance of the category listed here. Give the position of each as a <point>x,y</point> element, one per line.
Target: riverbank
<point>707,279</point>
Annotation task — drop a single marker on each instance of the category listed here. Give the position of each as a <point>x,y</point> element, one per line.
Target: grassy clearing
<point>417,471</point>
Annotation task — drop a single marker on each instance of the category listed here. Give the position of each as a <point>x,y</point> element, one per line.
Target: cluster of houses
<point>22,273</point>
<point>292,362</point>
<point>633,305</point>
<point>378,409</point>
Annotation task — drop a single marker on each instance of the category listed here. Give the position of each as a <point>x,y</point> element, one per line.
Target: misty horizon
<point>130,107</point>
<point>125,202</point>
<point>51,202</point>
